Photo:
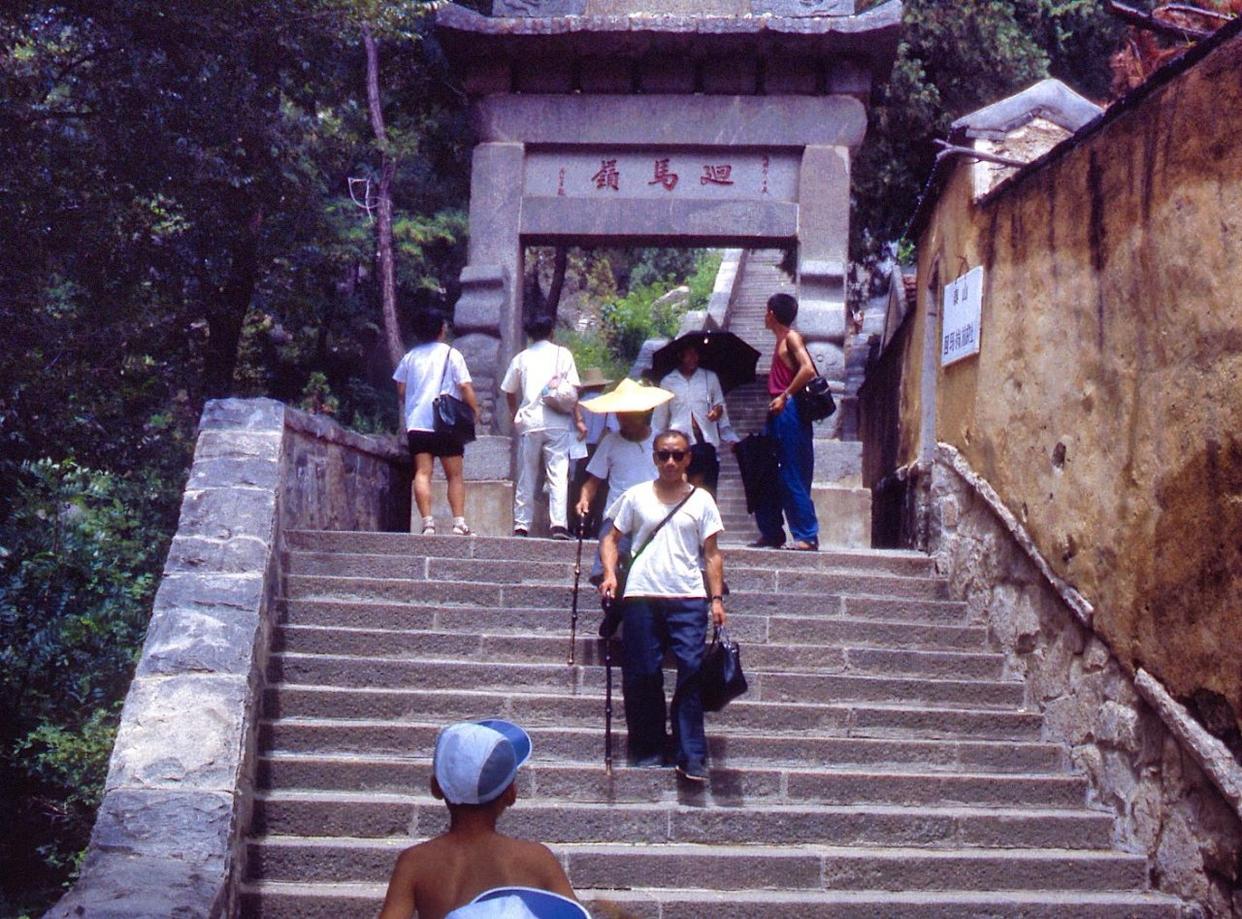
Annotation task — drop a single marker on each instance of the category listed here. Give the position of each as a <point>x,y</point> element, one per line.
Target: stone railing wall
<point>168,837</point>
<point>1176,790</point>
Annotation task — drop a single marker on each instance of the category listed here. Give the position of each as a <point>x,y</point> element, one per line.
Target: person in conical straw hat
<point>624,456</point>
<point>592,383</point>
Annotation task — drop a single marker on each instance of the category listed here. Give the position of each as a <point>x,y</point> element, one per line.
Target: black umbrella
<point>728,356</point>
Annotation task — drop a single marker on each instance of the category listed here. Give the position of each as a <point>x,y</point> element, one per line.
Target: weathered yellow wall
<point>1112,324</point>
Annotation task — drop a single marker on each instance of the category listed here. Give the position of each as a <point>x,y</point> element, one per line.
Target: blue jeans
<point>796,454</point>
<point>654,625</point>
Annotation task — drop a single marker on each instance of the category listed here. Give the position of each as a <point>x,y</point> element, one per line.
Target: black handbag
<point>815,401</point>
<point>721,675</point>
<point>453,417</point>
<point>611,605</point>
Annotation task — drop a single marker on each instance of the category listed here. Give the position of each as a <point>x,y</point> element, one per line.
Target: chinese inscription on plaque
<point>608,176</point>
<point>716,175</point>
<point>663,176</point>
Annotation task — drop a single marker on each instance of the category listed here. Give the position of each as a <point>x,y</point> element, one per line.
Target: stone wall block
<point>181,733</point>
<point>223,513</point>
<point>226,472</point>
<point>214,639</point>
<point>155,853</point>
<point>232,556</point>
<point>237,444</point>
<point>245,414</point>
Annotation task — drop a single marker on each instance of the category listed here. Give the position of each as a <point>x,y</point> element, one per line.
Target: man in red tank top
<point>792,369</point>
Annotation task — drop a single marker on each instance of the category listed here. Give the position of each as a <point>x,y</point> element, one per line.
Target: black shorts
<point>433,443</point>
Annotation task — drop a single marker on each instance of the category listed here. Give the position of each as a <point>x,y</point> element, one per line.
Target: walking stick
<point>573,618</point>
<point>607,703</point>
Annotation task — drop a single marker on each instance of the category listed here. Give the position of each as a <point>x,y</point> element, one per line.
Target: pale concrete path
<point>882,764</point>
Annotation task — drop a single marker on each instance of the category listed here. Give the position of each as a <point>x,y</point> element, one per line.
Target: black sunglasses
<point>675,455</point>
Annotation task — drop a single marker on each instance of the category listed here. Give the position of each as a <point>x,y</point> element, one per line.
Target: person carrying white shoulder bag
<point>541,386</point>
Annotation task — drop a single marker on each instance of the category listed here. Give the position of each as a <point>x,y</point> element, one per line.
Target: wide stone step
<point>740,577</point>
<point>542,596</point>
<point>561,709</point>
<point>912,615</point>
<point>374,815</point>
<point>535,648</point>
<point>383,672</point>
<point>279,900</point>
<point>504,549</point>
<point>589,784</point>
<point>910,623</point>
<point>388,738</point>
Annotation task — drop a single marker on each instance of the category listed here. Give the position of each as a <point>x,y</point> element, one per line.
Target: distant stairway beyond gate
<point>880,766</point>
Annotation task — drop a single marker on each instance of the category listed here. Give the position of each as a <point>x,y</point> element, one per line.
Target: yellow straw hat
<point>629,396</point>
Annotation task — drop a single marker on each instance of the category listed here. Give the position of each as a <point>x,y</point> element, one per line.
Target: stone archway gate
<point>681,122</point>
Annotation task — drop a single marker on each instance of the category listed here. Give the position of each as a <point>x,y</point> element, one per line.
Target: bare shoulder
<point>538,861</point>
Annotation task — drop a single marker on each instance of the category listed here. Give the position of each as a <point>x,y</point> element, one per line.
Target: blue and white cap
<point>475,761</point>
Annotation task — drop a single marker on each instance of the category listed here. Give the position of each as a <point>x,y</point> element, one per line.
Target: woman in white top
<point>428,369</point>
<point>665,607</point>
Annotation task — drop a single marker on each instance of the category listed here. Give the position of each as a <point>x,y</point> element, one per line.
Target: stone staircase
<point>761,277</point>
<point>881,764</point>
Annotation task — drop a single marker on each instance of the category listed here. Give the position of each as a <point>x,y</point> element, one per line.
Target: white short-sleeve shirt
<point>622,464</point>
<point>529,372</point>
<point>671,565</point>
<point>421,370</point>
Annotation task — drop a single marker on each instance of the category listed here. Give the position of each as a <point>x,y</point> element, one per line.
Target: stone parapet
<point>1174,788</point>
<point>168,837</point>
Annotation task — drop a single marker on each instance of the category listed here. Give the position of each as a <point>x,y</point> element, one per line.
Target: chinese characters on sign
<point>663,176</point>
<point>608,176</point>
<point>963,307</point>
<point>716,175</point>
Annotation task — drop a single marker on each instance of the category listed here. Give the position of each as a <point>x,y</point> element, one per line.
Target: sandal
<point>801,546</point>
<point>460,529</point>
<point>429,531</point>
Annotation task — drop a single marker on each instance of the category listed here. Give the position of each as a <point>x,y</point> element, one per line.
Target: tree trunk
<point>227,315</point>
<point>559,264</point>
<point>383,229</point>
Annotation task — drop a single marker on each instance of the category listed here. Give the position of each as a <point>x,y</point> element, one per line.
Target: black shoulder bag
<point>453,417</point>
<point>815,398</point>
<point>612,604</point>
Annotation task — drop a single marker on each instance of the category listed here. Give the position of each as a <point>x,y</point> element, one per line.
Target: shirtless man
<point>473,772</point>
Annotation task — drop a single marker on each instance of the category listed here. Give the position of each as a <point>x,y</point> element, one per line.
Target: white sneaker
<point>460,529</point>
<point>429,530</point>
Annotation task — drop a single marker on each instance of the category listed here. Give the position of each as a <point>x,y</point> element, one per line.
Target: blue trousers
<point>796,454</point>
<point>652,627</point>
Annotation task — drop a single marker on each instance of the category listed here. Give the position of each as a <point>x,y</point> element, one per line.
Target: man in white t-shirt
<point>665,607</point>
<point>544,433</point>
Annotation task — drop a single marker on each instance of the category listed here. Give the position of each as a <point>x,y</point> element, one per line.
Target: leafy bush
<point>78,569</point>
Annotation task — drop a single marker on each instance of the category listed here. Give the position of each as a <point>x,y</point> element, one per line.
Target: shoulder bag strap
<point>680,505</point>
<point>444,373</point>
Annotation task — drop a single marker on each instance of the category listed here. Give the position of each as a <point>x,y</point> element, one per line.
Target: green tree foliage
<point>78,568</point>
<point>178,224</point>
<point>953,59</point>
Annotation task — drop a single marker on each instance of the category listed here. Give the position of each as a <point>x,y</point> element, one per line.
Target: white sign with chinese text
<point>723,174</point>
<point>963,306</point>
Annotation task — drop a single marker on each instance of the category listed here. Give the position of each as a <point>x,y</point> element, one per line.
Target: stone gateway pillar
<point>661,122</point>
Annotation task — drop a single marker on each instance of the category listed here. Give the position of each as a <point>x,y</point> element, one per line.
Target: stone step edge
<point>720,730</point>
<point>416,537</point>
<point>593,610</point>
<point>397,799</point>
<point>983,898</point>
<point>599,698</point>
<point>768,850</point>
<point>586,634</point>
<point>1065,778</point>
<point>363,659</point>
<point>847,567</point>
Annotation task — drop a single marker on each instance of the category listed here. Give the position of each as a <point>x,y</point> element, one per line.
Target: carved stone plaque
<point>545,8</point>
